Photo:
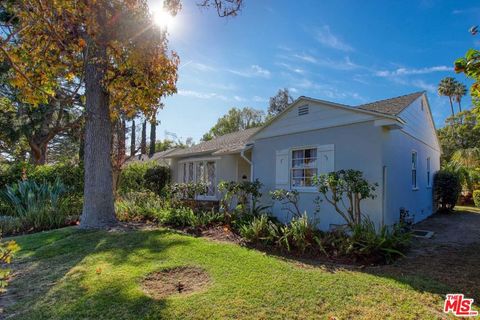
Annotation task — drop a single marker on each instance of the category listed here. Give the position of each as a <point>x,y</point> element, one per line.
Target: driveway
<point>450,260</point>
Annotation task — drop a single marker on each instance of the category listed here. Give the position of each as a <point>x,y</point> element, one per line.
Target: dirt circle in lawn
<point>179,280</point>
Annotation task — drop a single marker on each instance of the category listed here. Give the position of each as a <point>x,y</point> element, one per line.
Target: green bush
<point>132,177</point>
<point>476,198</point>
<point>178,217</point>
<point>446,190</point>
<point>38,206</point>
<point>300,234</point>
<point>7,249</point>
<point>365,243</point>
<point>70,175</point>
<point>260,229</point>
<point>156,178</point>
<point>10,225</point>
<point>138,206</point>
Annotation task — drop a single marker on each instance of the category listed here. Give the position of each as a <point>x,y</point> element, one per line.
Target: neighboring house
<point>160,157</point>
<point>393,142</point>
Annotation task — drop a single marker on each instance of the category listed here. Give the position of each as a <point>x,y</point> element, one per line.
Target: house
<point>393,142</point>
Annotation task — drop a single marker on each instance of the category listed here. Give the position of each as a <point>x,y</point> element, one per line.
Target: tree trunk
<point>451,106</point>
<point>132,139</point>
<point>143,144</point>
<point>459,106</point>
<point>38,153</point>
<point>98,206</point>
<point>153,131</point>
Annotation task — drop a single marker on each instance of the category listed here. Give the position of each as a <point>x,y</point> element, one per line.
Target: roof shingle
<point>392,106</point>
<point>229,143</point>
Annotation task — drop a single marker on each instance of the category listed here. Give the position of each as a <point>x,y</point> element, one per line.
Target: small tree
<point>279,102</point>
<point>446,189</point>
<point>289,200</point>
<point>346,184</point>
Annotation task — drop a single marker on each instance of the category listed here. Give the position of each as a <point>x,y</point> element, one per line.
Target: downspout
<point>242,154</point>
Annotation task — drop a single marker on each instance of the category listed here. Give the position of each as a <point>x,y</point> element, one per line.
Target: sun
<point>162,18</point>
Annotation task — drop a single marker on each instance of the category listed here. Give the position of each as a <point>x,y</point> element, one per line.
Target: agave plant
<point>35,204</point>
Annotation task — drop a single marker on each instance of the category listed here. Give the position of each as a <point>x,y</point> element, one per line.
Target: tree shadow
<point>48,258</point>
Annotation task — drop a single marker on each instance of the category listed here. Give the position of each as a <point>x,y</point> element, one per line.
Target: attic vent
<point>303,110</point>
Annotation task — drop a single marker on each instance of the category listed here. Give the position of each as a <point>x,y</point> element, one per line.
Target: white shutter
<point>282,169</point>
<point>326,159</point>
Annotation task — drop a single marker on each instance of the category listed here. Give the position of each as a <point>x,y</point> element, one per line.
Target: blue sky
<point>349,52</point>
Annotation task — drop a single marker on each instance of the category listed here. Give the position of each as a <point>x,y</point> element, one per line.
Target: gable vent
<point>303,110</point>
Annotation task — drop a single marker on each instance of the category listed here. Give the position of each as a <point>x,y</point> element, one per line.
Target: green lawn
<point>71,274</point>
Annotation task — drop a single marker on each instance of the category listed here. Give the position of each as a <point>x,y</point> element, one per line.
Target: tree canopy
<point>235,120</point>
<point>279,102</point>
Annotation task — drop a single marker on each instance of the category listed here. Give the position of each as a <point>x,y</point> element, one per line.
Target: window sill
<point>305,189</point>
<point>415,189</point>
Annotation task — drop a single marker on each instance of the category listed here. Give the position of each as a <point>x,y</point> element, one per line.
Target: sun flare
<point>162,18</point>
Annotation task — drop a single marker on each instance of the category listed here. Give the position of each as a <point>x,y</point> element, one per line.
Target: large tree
<point>459,92</point>
<point>279,102</point>
<point>110,47</point>
<point>113,49</point>
<point>446,88</point>
<point>236,119</point>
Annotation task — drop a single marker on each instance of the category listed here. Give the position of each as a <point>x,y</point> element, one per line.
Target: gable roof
<point>392,106</point>
<point>229,143</point>
<point>157,156</point>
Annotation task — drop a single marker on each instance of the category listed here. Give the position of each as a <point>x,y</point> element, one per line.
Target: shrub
<point>178,217</point>
<point>36,205</point>
<point>300,234</point>
<point>346,184</point>
<point>156,178</point>
<point>241,193</point>
<point>476,198</point>
<point>365,243</point>
<point>446,189</point>
<point>132,177</point>
<point>289,200</point>
<point>138,206</point>
<point>7,249</point>
<point>10,225</point>
<point>260,229</point>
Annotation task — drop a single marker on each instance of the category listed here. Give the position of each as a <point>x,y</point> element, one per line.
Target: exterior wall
<point>397,155</point>
<point>228,167</point>
<point>357,146</point>
<point>319,116</point>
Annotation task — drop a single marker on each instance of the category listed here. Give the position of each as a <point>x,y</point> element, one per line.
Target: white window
<point>200,171</point>
<point>414,170</point>
<point>429,179</point>
<point>303,167</point>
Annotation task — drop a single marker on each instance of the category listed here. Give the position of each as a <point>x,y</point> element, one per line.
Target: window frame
<point>291,168</point>
<point>194,163</point>
<point>414,169</point>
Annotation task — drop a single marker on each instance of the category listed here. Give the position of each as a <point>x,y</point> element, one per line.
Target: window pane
<point>308,182</point>
<point>297,173</point>
<point>297,163</point>
<point>190,172</point>
<point>297,182</point>
<point>200,174</point>
<point>310,172</point>
<point>311,153</point>
<point>297,154</point>
<point>211,178</point>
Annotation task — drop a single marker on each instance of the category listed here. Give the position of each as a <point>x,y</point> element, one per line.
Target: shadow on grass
<point>47,259</point>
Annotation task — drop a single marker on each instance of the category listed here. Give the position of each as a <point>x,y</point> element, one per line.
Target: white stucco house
<point>393,142</point>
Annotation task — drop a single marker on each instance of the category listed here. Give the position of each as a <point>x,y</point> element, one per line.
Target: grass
<point>467,208</point>
<point>72,274</point>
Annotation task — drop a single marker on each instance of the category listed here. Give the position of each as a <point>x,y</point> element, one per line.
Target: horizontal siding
<point>320,116</point>
<point>419,124</point>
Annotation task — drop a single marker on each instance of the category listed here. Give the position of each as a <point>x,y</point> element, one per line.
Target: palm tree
<point>446,88</point>
<point>459,92</point>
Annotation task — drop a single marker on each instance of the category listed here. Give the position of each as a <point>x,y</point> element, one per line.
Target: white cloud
<point>238,98</point>
<point>201,95</point>
<point>344,64</point>
<point>425,86</point>
<point>291,68</point>
<point>407,71</point>
<point>325,36</point>
<point>201,66</point>
<point>259,99</point>
<point>254,71</point>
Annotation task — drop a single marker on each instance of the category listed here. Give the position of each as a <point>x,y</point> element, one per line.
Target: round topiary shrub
<point>476,198</point>
<point>446,190</point>
<point>156,178</point>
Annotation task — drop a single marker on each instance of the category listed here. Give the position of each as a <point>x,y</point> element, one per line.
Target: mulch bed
<point>179,280</point>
